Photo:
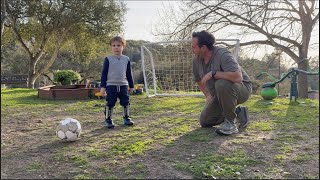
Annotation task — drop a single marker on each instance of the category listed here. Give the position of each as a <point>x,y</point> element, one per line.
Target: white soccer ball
<point>68,129</point>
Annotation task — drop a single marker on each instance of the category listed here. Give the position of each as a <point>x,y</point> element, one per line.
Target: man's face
<point>196,50</point>
<point>117,48</point>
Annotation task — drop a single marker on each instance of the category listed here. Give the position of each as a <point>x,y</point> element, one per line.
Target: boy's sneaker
<point>242,116</point>
<point>227,128</point>
<point>127,121</point>
<point>109,124</point>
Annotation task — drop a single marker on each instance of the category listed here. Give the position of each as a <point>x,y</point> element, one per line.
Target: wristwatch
<point>213,72</point>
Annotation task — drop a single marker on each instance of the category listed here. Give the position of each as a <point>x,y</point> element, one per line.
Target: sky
<point>140,18</point>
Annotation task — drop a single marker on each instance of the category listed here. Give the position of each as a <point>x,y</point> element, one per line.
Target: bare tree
<point>283,24</point>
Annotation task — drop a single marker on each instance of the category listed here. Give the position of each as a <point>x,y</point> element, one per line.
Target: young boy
<point>115,78</point>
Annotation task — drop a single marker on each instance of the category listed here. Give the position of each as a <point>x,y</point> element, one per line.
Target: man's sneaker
<point>227,128</point>
<point>242,116</point>
<point>109,124</point>
<point>127,121</point>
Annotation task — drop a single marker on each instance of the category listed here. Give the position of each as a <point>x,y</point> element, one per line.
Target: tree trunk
<point>3,15</point>
<point>32,75</point>
<point>303,80</point>
<point>31,80</point>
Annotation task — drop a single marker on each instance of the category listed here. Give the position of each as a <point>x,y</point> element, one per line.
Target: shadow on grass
<point>103,130</point>
<point>30,96</point>
<point>178,159</point>
<point>294,124</point>
<point>265,104</point>
<point>303,114</point>
<point>58,144</point>
<point>33,99</point>
<point>17,91</point>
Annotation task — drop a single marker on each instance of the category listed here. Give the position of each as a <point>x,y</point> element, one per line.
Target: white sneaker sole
<point>221,132</point>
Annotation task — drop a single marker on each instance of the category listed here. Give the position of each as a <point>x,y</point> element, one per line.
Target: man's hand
<point>103,91</point>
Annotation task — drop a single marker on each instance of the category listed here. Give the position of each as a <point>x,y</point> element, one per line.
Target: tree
<point>44,27</point>
<point>285,25</point>
<point>14,59</point>
<point>314,67</point>
<point>3,15</point>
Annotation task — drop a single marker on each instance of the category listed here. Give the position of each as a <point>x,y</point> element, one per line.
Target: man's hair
<point>205,38</point>
<point>119,39</point>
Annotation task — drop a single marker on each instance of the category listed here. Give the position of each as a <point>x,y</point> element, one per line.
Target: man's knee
<point>205,124</point>
<point>222,85</point>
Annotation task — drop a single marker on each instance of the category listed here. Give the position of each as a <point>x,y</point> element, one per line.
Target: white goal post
<point>167,67</point>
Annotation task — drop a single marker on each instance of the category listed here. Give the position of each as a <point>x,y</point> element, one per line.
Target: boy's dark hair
<point>205,38</point>
<point>119,39</point>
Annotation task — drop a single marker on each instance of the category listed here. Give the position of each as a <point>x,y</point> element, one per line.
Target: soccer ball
<point>68,129</point>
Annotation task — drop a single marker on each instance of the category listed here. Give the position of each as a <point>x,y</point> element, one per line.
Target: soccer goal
<point>167,67</point>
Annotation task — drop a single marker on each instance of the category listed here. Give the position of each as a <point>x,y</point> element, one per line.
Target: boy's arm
<point>104,75</point>
<point>129,75</point>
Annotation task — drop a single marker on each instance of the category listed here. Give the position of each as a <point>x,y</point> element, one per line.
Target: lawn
<point>166,142</point>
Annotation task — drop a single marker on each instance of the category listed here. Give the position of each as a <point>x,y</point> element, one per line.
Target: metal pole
<point>279,74</point>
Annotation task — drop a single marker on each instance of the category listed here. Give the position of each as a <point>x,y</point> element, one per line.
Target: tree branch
<point>267,42</point>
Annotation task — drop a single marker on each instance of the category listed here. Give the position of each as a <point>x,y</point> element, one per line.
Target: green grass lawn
<point>282,140</point>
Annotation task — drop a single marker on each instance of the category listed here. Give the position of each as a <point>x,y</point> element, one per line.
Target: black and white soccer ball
<point>68,129</point>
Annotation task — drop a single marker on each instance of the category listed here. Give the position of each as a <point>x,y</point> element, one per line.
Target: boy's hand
<point>130,90</point>
<point>103,91</point>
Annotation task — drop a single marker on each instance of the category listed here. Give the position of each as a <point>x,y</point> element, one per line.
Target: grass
<point>303,158</point>
<point>34,166</point>
<point>212,165</point>
<point>165,142</point>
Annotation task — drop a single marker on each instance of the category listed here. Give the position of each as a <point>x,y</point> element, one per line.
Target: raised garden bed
<point>67,92</point>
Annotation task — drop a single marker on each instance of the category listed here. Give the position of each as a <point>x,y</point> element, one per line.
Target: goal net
<point>167,67</point>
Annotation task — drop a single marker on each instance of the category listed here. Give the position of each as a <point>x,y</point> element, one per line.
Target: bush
<point>66,77</point>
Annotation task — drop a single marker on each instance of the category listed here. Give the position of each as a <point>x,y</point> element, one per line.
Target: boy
<point>116,76</point>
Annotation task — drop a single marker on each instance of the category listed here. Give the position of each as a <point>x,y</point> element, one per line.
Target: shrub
<point>66,77</point>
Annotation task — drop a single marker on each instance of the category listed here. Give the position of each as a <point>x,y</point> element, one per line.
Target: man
<point>223,82</point>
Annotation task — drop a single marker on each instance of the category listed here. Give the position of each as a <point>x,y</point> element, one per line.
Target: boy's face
<point>117,48</point>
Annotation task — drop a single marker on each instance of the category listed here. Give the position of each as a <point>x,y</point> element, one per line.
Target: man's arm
<point>203,89</point>
<point>229,69</point>
<point>206,93</point>
<point>235,77</point>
